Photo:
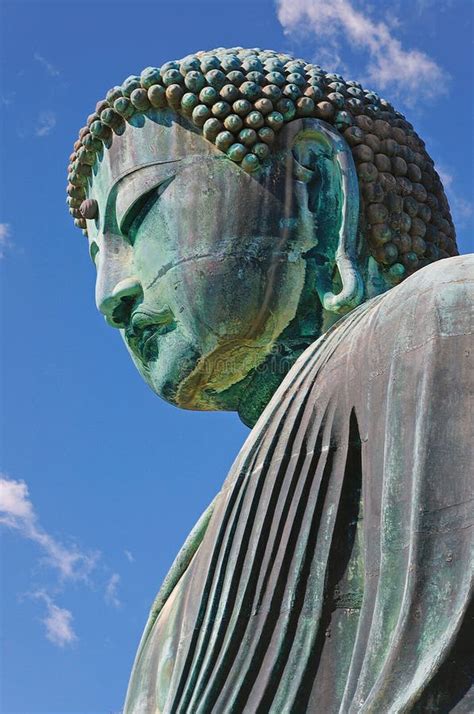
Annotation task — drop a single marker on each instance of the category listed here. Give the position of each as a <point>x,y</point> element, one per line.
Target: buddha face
<point>199,265</point>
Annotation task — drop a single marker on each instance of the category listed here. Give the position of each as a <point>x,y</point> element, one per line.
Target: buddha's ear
<point>326,185</point>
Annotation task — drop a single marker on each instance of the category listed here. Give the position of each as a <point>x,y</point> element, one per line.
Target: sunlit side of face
<point>198,264</point>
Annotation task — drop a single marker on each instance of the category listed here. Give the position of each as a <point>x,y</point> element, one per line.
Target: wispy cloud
<point>129,556</point>
<point>410,73</point>
<point>7,99</point>
<point>17,513</point>
<point>5,235</point>
<point>46,123</point>
<point>48,66</point>
<point>57,621</point>
<point>111,595</point>
<point>423,5</point>
<point>69,563</point>
<point>461,208</point>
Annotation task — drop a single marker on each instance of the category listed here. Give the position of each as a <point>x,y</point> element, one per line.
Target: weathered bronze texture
<point>333,571</point>
<point>240,99</point>
<point>267,239</point>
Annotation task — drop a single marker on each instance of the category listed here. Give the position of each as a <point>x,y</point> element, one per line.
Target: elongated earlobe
<point>324,167</point>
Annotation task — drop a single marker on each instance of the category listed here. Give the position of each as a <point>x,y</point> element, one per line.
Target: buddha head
<point>236,203</point>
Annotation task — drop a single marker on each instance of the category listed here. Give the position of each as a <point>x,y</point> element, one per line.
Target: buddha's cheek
<point>233,309</point>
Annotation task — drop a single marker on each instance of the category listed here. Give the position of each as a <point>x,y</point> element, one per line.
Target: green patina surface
<point>241,99</point>
<point>337,201</point>
<point>240,207</point>
<point>218,281</point>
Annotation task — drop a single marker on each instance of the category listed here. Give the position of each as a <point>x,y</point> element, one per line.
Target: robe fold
<point>334,570</point>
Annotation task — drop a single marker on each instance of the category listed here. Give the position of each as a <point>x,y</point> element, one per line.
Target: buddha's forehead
<point>159,137</point>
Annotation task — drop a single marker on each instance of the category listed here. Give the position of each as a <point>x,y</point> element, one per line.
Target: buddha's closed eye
<point>135,199</point>
<point>137,211</point>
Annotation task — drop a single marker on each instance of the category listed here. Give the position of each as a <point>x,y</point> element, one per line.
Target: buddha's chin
<point>172,362</point>
<point>178,372</point>
<point>190,385</point>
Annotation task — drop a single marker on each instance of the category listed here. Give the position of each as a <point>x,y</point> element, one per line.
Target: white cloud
<point>73,565</point>
<point>408,72</point>
<point>461,208</point>
<point>7,99</point>
<point>111,597</point>
<point>5,234</point>
<point>46,123</point>
<point>426,5</point>
<point>57,621</point>
<point>48,66</point>
<point>445,176</point>
<point>17,513</point>
<point>129,556</point>
<point>14,502</point>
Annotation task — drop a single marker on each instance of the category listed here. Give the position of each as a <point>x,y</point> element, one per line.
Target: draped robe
<point>334,572</point>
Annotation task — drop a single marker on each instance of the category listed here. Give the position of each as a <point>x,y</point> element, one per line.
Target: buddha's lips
<point>144,328</point>
<point>145,345</point>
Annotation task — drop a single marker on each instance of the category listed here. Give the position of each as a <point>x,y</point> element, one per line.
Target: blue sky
<point>102,481</point>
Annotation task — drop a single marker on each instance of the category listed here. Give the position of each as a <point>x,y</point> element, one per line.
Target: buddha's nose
<point>118,289</point>
<point>118,305</point>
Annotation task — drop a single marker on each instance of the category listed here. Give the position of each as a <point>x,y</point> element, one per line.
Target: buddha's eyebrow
<point>138,182</point>
<point>143,167</point>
